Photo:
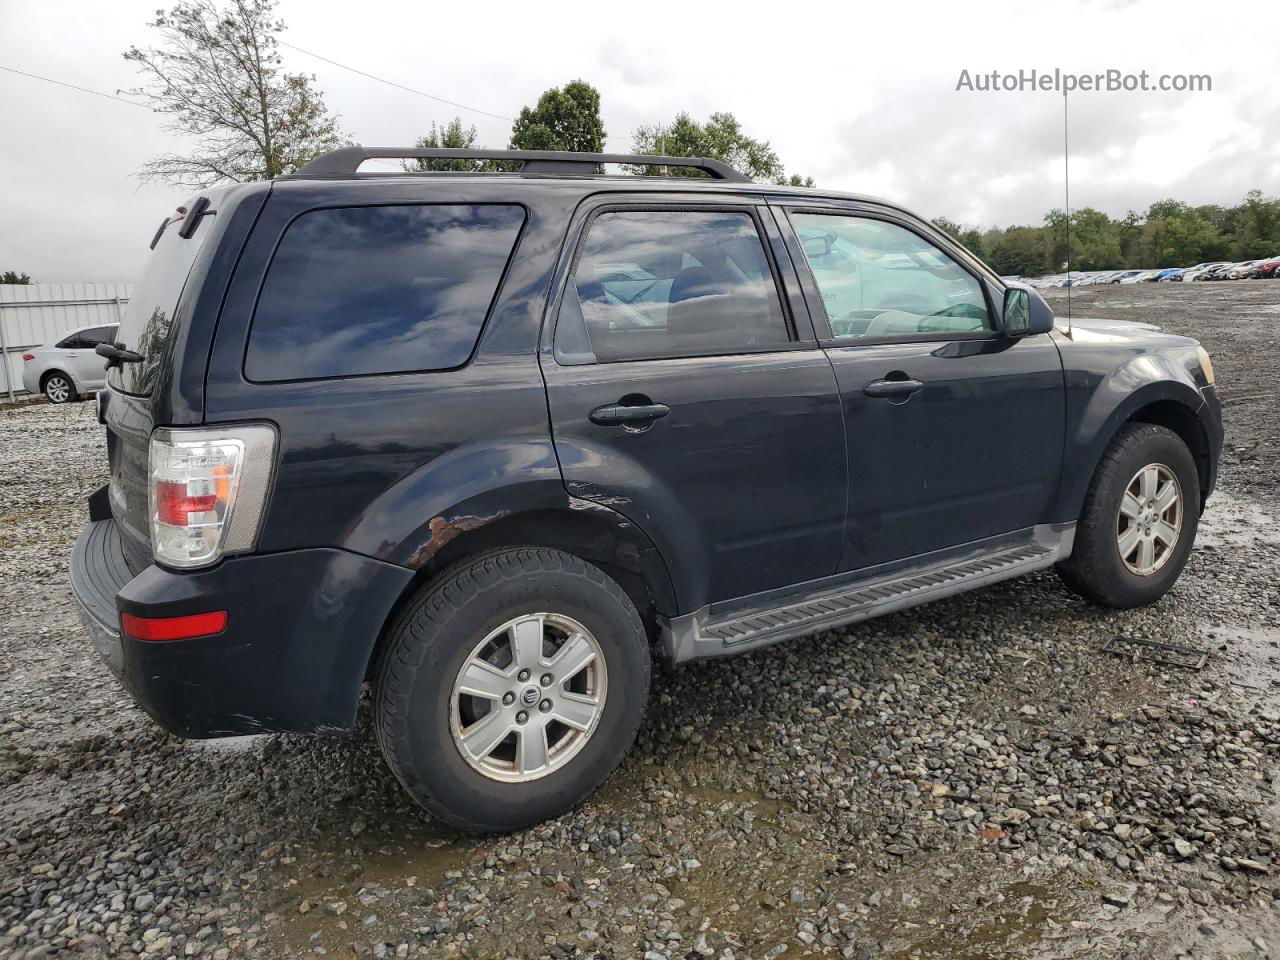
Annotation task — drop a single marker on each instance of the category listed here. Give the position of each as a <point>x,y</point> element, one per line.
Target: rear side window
<point>365,290</point>
<point>98,335</point>
<point>673,283</point>
<point>87,339</point>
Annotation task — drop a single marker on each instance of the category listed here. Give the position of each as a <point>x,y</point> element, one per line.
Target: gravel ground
<point>970,779</point>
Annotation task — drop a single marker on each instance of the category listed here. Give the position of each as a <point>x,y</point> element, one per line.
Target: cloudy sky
<point>860,96</point>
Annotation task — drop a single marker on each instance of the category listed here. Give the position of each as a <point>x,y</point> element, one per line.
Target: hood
<point>1082,328</point>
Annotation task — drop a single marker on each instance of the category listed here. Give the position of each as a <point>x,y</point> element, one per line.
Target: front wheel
<point>511,688</point>
<point>1139,520</point>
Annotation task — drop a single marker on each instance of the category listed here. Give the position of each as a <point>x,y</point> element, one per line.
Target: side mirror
<point>1025,312</point>
<point>818,245</point>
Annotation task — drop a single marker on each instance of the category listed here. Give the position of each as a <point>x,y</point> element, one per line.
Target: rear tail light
<point>27,357</point>
<point>208,490</point>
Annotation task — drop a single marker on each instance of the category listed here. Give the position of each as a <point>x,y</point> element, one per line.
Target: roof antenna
<point>1066,199</point>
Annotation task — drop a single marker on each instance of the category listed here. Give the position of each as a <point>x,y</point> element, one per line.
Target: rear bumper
<point>301,628</point>
<point>31,377</point>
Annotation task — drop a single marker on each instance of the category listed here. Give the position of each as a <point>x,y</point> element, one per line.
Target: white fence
<point>32,314</point>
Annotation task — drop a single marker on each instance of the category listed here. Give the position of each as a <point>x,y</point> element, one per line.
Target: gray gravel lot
<point>970,779</point>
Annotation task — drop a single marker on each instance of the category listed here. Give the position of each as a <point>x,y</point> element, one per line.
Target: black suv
<point>495,442</point>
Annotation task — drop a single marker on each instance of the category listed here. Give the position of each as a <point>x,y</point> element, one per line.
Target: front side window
<point>878,279</point>
<point>674,283</point>
<point>365,290</point>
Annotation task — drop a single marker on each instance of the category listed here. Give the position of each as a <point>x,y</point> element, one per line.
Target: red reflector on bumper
<point>173,628</point>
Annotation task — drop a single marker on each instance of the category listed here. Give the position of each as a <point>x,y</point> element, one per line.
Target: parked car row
<point>1266,268</point>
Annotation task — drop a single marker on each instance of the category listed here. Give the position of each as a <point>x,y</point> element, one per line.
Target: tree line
<point>1169,233</point>
<point>218,76</point>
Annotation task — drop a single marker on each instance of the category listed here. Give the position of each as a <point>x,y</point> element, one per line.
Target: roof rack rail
<point>346,161</point>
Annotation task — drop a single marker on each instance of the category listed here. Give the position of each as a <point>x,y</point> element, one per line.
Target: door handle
<point>617,414</point>
<point>892,389</point>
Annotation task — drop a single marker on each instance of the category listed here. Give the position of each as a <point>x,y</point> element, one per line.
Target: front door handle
<point>892,389</point>
<point>617,414</point>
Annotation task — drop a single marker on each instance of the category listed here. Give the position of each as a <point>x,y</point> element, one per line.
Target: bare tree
<point>219,76</point>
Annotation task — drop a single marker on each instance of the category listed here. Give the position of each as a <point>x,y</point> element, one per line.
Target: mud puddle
<point>338,892</point>
<point>1232,522</point>
<point>1250,658</point>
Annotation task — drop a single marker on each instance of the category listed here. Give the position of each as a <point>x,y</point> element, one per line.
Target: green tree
<point>11,276</point>
<point>1021,252</point>
<point>1187,239</point>
<point>1255,227</point>
<point>720,138</point>
<point>1095,241</point>
<point>1130,231</point>
<point>1057,234</point>
<point>968,237</point>
<point>219,78</point>
<point>795,180</point>
<point>565,118</point>
<point>1170,234</point>
<point>452,135</point>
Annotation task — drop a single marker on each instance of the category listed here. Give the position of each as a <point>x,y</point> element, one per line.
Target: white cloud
<point>861,97</point>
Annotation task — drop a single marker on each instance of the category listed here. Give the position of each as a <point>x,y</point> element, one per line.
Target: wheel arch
<point>590,531</point>
<point>1167,403</point>
<point>1182,420</point>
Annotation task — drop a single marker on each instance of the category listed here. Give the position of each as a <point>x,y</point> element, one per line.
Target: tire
<point>1096,569</point>
<point>58,387</point>
<point>420,716</point>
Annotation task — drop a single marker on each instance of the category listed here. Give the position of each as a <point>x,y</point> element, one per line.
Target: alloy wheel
<point>528,697</point>
<point>1149,521</point>
<point>57,390</point>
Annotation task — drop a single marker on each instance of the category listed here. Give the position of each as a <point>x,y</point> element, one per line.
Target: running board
<point>841,600</point>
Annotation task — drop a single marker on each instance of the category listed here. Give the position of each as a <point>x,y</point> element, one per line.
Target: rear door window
<point>91,338</point>
<point>74,341</point>
<point>386,289</point>
<point>649,284</point>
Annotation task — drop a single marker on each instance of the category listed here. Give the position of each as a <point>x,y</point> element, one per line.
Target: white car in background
<point>68,369</point>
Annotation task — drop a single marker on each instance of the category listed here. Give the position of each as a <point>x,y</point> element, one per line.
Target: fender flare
<point>1114,402</point>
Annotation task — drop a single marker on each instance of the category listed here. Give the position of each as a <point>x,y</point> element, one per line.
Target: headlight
<point>1206,364</point>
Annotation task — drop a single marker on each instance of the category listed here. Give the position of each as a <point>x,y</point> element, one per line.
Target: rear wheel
<point>1139,520</point>
<point>58,388</point>
<point>511,688</point>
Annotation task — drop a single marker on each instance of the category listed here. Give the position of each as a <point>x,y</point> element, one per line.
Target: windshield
<point>147,323</point>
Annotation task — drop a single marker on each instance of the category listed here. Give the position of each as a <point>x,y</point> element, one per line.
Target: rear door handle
<point>891,388</point>
<point>616,414</point>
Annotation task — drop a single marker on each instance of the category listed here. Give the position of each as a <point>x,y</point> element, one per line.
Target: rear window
<point>389,289</point>
<point>147,324</point>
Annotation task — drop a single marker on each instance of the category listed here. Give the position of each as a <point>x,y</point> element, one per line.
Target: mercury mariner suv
<point>496,442</point>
